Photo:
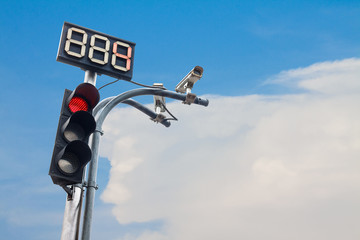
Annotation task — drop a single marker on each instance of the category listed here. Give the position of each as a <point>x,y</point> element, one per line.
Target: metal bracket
<point>91,184</point>
<point>159,118</point>
<point>70,190</point>
<point>190,98</point>
<point>159,101</point>
<point>100,131</point>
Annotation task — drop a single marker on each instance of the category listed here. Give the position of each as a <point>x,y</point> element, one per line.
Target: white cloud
<point>247,167</point>
<point>325,77</point>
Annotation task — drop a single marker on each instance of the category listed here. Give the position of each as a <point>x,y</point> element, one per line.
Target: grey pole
<point>101,111</point>
<point>90,77</point>
<point>71,221</point>
<point>91,186</point>
<point>72,213</point>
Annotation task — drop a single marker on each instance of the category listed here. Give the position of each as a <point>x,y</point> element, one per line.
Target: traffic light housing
<point>76,123</point>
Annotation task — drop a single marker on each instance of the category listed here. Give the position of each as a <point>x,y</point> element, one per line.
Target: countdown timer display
<point>95,51</point>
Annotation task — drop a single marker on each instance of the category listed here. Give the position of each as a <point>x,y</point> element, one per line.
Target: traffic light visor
<point>79,126</point>
<point>84,98</point>
<point>73,157</point>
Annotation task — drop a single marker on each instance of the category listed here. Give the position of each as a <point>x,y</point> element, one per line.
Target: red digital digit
<point>127,57</point>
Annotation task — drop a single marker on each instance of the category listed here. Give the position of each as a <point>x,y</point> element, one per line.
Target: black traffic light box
<point>76,123</point>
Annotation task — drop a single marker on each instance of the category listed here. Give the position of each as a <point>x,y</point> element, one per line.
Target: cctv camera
<point>188,81</point>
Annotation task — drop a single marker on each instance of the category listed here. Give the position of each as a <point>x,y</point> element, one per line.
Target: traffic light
<point>76,123</point>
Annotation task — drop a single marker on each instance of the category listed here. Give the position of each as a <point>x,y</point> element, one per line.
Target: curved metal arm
<point>110,103</point>
<point>101,104</point>
<point>145,110</point>
<point>101,111</point>
<point>133,103</point>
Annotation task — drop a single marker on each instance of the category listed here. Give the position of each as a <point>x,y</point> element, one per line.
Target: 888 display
<point>91,50</point>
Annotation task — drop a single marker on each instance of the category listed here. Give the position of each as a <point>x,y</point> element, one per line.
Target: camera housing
<point>187,83</point>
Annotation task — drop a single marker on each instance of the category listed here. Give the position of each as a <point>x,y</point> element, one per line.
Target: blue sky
<point>290,45</point>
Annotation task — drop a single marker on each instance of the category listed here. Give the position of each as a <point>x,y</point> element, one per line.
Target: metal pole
<point>70,228</point>
<point>73,204</point>
<point>90,77</point>
<point>91,186</point>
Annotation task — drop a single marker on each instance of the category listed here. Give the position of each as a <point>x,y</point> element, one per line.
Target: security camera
<point>189,80</point>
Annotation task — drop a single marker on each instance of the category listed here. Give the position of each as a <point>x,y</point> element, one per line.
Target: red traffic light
<point>76,123</point>
<point>84,98</point>
<point>78,104</point>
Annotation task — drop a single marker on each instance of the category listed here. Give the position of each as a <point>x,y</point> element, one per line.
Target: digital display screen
<point>95,51</point>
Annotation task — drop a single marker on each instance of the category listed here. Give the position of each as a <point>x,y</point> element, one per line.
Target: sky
<point>275,155</point>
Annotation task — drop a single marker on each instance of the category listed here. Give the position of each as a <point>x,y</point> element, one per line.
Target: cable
<point>142,85</point>
<point>173,117</point>
<point>136,83</point>
<point>108,84</point>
